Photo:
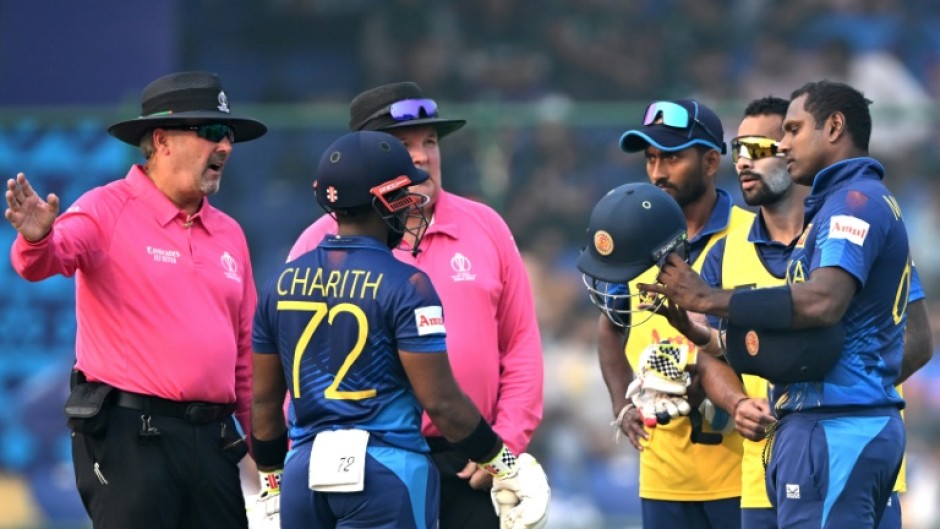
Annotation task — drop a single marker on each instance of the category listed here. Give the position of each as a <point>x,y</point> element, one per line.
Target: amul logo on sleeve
<point>429,320</point>
<point>461,264</point>
<point>852,229</point>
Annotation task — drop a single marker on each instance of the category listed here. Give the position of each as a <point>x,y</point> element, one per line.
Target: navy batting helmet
<point>632,228</point>
<point>356,167</point>
<point>373,168</point>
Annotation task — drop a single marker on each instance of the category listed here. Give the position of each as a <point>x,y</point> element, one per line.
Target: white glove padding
<point>662,368</point>
<point>266,512</point>
<point>716,417</point>
<point>656,407</point>
<point>529,484</point>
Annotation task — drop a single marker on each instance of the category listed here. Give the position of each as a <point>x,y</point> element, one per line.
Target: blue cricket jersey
<point>854,223</point>
<point>338,316</point>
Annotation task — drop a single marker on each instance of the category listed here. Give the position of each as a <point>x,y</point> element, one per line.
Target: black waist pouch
<point>87,408</point>
<point>232,441</point>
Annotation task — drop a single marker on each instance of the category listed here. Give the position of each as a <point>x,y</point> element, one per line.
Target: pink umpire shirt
<point>164,306</point>
<point>493,340</point>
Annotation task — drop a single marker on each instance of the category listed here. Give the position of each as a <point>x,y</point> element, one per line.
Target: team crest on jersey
<point>852,229</point>
<point>801,242</point>
<point>230,265</point>
<point>429,320</point>
<point>461,265</point>
<point>796,271</point>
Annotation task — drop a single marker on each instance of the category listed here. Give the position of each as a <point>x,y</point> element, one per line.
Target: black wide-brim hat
<point>365,111</point>
<point>185,98</point>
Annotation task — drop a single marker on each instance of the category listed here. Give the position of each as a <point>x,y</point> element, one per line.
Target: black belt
<point>191,412</point>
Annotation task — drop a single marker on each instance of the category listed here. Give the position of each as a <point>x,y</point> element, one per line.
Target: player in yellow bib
<point>689,474</point>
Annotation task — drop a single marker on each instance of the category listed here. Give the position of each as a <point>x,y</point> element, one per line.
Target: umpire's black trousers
<point>462,507</point>
<point>178,476</point>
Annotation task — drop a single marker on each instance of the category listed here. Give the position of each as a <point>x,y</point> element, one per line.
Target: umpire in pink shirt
<point>469,253</point>
<point>164,302</point>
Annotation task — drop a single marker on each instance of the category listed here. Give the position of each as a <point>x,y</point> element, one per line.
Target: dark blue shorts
<point>754,518</point>
<point>891,519</point>
<point>835,469</point>
<point>401,491</point>
<point>714,514</point>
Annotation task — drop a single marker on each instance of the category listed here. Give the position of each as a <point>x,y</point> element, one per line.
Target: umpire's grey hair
<point>146,145</point>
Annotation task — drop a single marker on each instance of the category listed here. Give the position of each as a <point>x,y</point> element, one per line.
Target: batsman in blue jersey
<point>357,339</point>
<point>839,438</point>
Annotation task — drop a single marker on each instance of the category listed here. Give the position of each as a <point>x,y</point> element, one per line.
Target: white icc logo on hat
<point>223,102</point>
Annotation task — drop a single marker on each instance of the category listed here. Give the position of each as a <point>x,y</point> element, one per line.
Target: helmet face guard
<point>616,301</point>
<point>633,228</point>
<point>397,206</point>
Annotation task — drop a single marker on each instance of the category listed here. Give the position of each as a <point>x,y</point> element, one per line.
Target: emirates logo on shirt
<point>230,265</point>
<point>162,255</point>
<point>460,264</point>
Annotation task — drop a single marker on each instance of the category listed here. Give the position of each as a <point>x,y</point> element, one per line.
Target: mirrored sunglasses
<point>754,148</point>
<point>676,116</point>
<point>213,132</point>
<point>408,109</point>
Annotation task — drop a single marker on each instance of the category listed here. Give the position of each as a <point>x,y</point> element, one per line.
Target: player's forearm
<point>267,420</point>
<point>823,300</point>
<point>918,340</point>
<point>615,369</point>
<point>455,416</point>
<point>267,399</point>
<point>720,383</point>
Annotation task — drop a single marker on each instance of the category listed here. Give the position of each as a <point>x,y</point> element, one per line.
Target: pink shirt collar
<point>162,208</point>
<point>444,220</point>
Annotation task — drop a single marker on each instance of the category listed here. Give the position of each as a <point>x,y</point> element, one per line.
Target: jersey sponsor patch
<point>852,229</point>
<point>430,320</point>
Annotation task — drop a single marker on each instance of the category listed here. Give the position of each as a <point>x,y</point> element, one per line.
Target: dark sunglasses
<point>754,148</point>
<point>676,116</point>
<point>213,132</point>
<point>408,109</point>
